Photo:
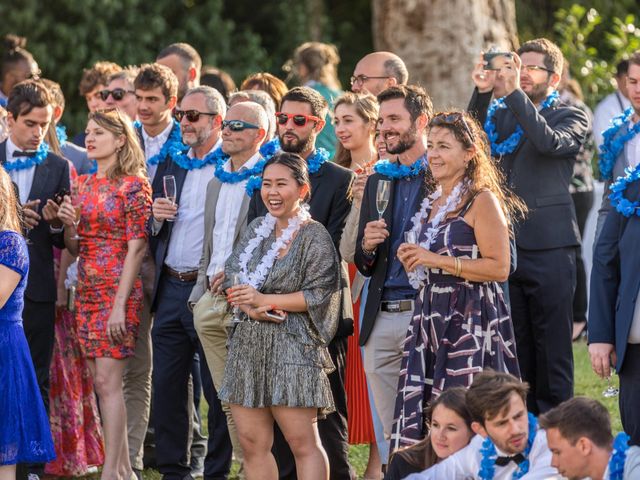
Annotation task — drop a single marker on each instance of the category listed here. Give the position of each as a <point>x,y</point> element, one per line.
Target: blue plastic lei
<point>622,204</point>
<point>613,144</point>
<point>618,456</point>
<point>397,170</point>
<point>28,162</point>
<point>61,133</point>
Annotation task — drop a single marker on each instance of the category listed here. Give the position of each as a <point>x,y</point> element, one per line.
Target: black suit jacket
<point>49,178</point>
<point>541,167</point>
<point>376,266</point>
<point>329,205</point>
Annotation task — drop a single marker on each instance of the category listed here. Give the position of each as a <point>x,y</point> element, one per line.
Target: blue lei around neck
<point>613,144</point>
<point>252,175</point>
<point>173,144</point>
<point>489,454</point>
<point>397,170</point>
<point>509,145</point>
<point>61,133</point>
<point>28,162</point>
<point>618,456</point>
<point>315,161</point>
<point>622,204</point>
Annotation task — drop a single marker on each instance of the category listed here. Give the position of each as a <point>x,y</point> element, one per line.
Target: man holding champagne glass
<point>392,195</point>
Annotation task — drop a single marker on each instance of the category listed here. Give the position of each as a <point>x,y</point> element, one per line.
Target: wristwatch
<point>369,253</point>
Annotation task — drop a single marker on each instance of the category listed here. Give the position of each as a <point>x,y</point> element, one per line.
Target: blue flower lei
<point>173,144</point>
<point>623,205</point>
<point>489,454</point>
<point>509,145</point>
<point>28,162</point>
<point>180,157</point>
<point>252,175</point>
<point>613,143</point>
<point>315,161</point>
<point>618,456</point>
<point>61,133</point>
<point>397,170</point>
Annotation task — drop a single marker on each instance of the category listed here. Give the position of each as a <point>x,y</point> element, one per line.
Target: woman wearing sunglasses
<point>456,254</point>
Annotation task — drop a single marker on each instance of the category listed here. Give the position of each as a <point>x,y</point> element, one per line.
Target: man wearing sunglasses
<point>378,71</point>
<point>537,140</point>
<point>176,244</point>
<point>299,121</point>
<point>120,92</point>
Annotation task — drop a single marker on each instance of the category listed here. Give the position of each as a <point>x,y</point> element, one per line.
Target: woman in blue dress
<point>24,427</point>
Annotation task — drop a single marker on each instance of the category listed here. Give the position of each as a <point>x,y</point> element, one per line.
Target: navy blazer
<point>615,279</point>
<point>541,167</point>
<point>49,178</point>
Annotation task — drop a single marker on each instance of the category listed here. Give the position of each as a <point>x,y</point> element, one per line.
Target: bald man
<point>225,218</point>
<point>378,71</point>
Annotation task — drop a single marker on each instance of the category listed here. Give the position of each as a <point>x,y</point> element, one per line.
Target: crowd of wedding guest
<point>326,267</point>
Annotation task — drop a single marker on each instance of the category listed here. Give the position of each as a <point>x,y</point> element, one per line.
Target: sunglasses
<point>192,115</point>
<point>362,79</point>
<point>451,119</point>
<point>299,120</point>
<point>117,94</point>
<point>238,125</point>
<point>535,68</point>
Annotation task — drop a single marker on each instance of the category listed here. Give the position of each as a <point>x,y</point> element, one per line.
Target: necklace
<point>28,162</point>
<point>181,159</point>
<point>489,454</point>
<point>61,133</point>
<point>417,277</point>
<point>263,231</point>
<point>173,143</point>
<point>623,205</point>
<point>613,144</point>
<point>618,456</point>
<point>397,170</point>
<point>315,161</point>
<point>509,145</point>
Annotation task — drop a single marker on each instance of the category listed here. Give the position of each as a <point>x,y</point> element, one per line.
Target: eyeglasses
<point>451,119</point>
<point>117,94</point>
<point>361,79</point>
<point>192,115</point>
<point>237,125</point>
<point>535,68</point>
<point>299,120</point>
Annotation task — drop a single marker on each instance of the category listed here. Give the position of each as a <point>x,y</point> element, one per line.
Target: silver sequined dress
<point>286,364</point>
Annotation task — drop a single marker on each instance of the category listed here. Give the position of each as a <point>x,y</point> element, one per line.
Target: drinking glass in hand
<point>410,237</point>
<point>382,196</point>
<point>169,184</point>
<point>77,210</point>
<point>27,229</point>
<point>610,391</point>
<point>236,280</point>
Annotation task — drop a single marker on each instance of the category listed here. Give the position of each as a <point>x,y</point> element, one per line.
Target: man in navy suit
<point>39,176</point>
<point>614,311</point>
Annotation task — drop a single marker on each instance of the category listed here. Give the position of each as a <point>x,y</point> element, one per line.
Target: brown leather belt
<point>190,276</point>
<point>396,306</point>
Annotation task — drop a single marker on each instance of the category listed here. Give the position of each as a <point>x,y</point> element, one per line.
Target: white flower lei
<point>416,278</point>
<point>257,278</point>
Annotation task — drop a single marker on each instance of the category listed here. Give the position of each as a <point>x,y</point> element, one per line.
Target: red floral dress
<point>113,212</point>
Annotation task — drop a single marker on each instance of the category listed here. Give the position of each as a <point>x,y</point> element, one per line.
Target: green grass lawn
<point>587,384</point>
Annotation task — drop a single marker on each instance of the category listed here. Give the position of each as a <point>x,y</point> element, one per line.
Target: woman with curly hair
<point>456,254</point>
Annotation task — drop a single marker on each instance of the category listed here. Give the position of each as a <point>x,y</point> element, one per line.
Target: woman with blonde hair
<point>105,224</point>
<point>24,427</point>
<point>456,254</point>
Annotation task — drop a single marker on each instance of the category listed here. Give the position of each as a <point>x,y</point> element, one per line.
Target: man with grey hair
<point>263,99</point>
<point>176,244</point>
<point>225,218</point>
<point>378,71</point>
<point>185,62</point>
<point>120,92</point>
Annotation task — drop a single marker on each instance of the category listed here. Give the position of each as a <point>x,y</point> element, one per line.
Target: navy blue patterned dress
<point>24,427</point>
<point>458,329</point>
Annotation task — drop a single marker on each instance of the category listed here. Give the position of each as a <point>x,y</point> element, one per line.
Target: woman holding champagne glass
<point>355,118</point>
<point>105,224</point>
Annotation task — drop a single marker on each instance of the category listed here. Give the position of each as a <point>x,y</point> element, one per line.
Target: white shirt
<point>465,464</point>
<point>22,178</point>
<point>152,146</point>
<point>185,245</point>
<point>227,211</point>
<point>608,108</point>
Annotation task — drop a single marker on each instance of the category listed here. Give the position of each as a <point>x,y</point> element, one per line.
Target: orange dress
<point>113,212</point>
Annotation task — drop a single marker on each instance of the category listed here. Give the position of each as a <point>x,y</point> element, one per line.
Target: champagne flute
<point>411,237</point>
<point>76,222</point>
<point>236,279</point>
<point>169,184</point>
<point>611,391</point>
<point>382,196</point>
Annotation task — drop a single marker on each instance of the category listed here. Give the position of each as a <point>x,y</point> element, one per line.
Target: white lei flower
<point>257,278</point>
<point>416,278</point>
